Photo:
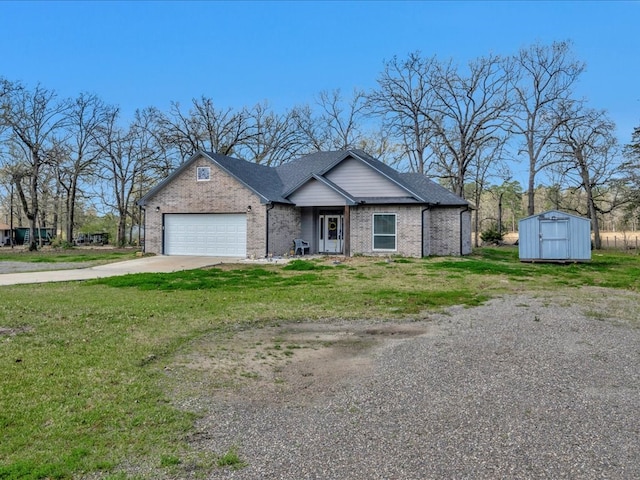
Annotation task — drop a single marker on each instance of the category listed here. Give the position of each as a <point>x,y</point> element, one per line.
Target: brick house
<point>343,202</point>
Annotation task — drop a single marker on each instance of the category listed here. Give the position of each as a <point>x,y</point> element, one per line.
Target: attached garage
<point>214,235</point>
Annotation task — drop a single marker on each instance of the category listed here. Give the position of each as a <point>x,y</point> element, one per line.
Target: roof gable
<point>335,171</point>
<point>360,180</point>
<point>298,172</point>
<point>319,191</point>
<point>260,179</point>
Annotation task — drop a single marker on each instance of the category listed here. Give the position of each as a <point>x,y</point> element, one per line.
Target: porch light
<point>249,209</point>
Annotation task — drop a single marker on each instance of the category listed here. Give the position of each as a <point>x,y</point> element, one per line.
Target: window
<point>384,231</point>
<point>203,174</point>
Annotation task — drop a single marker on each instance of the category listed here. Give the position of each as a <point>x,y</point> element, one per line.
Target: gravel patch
<point>523,387</point>
<point>20,267</point>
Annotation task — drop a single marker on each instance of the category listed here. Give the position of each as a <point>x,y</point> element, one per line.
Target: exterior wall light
<point>249,209</point>
<point>157,209</point>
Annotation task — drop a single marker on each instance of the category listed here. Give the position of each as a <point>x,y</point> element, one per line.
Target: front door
<point>330,231</point>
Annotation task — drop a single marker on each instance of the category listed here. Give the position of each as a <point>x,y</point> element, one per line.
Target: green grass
<point>231,459</point>
<point>83,386</point>
<point>610,269</point>
<point>71,255</point>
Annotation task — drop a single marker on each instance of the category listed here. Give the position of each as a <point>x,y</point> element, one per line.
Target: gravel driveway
<point>524,387</point>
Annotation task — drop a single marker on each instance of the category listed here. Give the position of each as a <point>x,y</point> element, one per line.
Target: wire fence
<point>620,241</point>
<point>609,240</point>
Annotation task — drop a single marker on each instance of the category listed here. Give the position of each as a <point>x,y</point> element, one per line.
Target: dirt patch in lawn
<point>314,358</point>
<point>21,267</point>
<point>308,361</point>
<point>12,332</point>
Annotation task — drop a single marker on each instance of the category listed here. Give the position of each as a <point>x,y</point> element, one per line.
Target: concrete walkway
<point>155,264</point>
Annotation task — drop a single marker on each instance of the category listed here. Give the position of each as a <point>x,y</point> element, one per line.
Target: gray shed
<point>554,236</point>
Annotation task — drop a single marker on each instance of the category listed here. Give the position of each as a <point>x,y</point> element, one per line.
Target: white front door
<point>330,229</point>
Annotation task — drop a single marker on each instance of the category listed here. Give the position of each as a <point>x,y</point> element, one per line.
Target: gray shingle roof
<point>261,179</point>
<point>430,191</point>
<point>419,187</point>
<point>299,171</point>
<point>275,184</point>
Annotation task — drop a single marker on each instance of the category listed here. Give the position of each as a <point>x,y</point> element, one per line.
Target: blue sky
<point>147,53</point>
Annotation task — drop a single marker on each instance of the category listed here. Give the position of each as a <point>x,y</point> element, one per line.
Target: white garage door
<point>217,235</point>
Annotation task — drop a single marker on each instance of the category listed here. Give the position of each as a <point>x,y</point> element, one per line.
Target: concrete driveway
<point>155,264</point>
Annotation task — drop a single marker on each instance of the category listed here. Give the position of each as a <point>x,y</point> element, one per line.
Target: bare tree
<point>404,99</point>
<point>32,118</point>
<point>339,124</point>
<point>380,144</point>
<point>78,155</point>
<point>308,126</point>
<point>542,85</point>
<point>204,128</point>
<point>276,139</point>
<point>470,117</point>
<point>444,118</point>
<point>485,164</point>
<point>590,154</point>
<point>125,157</point>
<point>341,118</point>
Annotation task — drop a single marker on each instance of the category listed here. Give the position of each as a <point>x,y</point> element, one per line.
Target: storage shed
<point>554,236</point>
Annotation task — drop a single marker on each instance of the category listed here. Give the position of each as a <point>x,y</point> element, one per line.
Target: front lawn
<point>82,384</point>
<point>71,255</point>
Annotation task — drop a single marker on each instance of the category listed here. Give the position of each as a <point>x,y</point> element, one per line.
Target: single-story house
<point>342,202</point>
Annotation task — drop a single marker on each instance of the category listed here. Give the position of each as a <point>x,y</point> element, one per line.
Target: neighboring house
<point>5,234</point>
<point>344,202</point>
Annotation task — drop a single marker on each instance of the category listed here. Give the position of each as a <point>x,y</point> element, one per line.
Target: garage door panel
<point>205,234</point>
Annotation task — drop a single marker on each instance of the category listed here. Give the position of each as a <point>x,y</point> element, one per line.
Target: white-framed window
<point>203,174</point>
<point>385,231</point>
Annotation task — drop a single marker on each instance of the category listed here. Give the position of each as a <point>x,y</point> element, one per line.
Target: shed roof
<point>551,214</point>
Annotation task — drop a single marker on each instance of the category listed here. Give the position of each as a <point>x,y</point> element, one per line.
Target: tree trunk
<point>122,230</point>
<point>28,213</point>
<point>593,215</point>
<point>531,193</point>
<point>595,226</point>
<point>33,214</point>
<point>71,209</point>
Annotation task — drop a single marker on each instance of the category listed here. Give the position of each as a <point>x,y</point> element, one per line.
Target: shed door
<point>215,235</point>
<point>554,239</point>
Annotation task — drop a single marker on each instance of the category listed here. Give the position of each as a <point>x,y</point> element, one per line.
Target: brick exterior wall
<point>466,233</point>
<point>409,229</point>
<point>284,228</point>
<point>445,231</point>
<point>222,194</point>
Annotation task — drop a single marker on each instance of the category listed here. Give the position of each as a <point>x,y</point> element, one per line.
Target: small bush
<point>59,243</point>
<point>492,236</point>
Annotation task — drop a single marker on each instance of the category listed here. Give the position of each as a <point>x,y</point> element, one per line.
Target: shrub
<point>59,243</point>
<point>492,235</point>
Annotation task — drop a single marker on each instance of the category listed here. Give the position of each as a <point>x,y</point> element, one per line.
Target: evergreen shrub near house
<point>492,236</point>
